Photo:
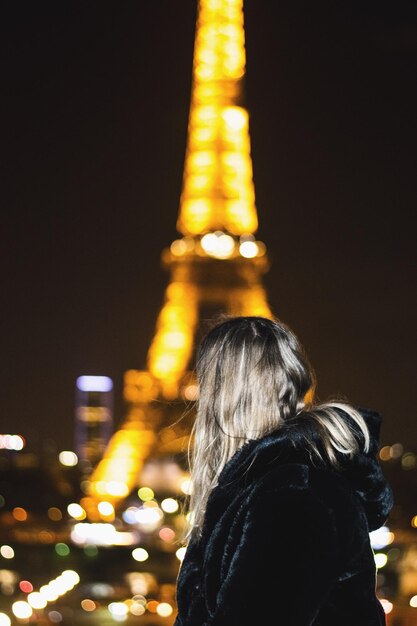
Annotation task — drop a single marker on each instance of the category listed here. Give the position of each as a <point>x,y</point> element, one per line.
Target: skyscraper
<point>93,417</point>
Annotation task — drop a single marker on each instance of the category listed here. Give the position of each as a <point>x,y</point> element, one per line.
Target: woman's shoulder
<point>297,498</point>
<point>320,482</point>
<point>304,491</point>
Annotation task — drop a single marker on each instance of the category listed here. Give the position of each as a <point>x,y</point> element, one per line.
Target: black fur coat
<point>286,540</point>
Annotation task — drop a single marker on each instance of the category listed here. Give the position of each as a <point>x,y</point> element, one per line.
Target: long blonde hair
<point>253,376</point>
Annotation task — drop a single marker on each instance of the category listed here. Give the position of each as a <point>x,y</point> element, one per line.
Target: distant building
<point>93,417</point>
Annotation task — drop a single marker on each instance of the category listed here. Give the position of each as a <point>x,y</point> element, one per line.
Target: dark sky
<point>94,110</point>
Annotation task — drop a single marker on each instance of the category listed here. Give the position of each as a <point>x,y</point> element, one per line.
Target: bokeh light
<point>22,609</point>
<point>68,458</point>
<point>169,505</point>
<point>26,586</point>
<point>7,552</point>
<point>140,554</point>
<point>88,605</point>
<point>145,494</point>
<point>164,609</point>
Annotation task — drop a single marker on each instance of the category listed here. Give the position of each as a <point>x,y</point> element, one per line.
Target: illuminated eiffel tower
<point>215,266</point>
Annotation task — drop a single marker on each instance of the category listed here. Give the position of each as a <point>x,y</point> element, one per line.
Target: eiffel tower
<point>216,265</point>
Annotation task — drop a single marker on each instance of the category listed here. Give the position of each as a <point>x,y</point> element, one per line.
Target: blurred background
<point>135,208</point>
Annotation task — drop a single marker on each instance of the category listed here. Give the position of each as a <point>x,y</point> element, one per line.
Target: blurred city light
<point>380,559</point>
<point>7,552</point>
<point>386,605</point>
<point>101,534</point>
<point>22,609</point>
<point>140,554</point>
<point>68,458</point>
<point>37,600</point>
<point>381,537</point>
<point>94,383</point>
<point>12,442</point>
<point>180,553</point>
<point>164,609</point>
<point>146,493</point>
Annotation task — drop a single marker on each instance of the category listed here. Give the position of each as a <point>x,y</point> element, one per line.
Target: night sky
<point>94,112</point>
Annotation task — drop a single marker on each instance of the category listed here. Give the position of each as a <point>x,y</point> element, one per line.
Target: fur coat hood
<point>285,538</point>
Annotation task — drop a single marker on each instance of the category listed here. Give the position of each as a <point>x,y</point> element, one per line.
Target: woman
<point>284,490</point>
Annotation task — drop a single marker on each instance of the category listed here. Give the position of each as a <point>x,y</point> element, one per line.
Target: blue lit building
<point>93,417</point>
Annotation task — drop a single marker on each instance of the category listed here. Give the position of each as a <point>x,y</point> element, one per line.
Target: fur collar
<point>288,444</point>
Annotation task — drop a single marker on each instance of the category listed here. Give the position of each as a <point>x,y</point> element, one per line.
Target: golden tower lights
<point>217,264</point>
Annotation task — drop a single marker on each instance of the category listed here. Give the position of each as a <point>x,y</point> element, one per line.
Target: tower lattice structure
<point>216,265</point>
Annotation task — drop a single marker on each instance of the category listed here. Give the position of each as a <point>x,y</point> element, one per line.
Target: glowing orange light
<point>19,514</point>
<point>385,453</point>
<point>152,606</point>
<point>218,127</point>
<point>88,605</point>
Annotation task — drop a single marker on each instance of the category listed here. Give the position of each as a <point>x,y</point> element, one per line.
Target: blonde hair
<point>254,376</point>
